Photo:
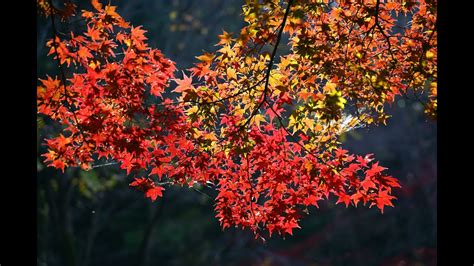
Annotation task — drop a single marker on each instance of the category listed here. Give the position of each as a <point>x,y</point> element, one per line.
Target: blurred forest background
<point>95,218</point>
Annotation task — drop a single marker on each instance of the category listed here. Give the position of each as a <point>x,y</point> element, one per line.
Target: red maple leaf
<point>159,170</point>
<point>390,181</point>
<point>383,199</point>
<point>147,186</point>
<point>343,197</point>
<point>58,164</point>
<point>311,200</point>
<point>184,84</point>
<point>289,227</point>
<point>340,153</point>
<point>368,183</point>
<point>376,169</point>
<point>154,192</point>
<point>127,163</point>
<point>139,182</point>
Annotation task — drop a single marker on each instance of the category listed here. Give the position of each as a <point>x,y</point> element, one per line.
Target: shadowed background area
<point>94,218</point>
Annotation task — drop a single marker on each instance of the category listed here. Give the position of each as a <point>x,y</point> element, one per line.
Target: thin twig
<point>63,75</point>
<point>103,165</point>
<point>270,65</point>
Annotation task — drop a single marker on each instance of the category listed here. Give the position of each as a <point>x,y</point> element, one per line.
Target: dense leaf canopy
<point>259,119</point>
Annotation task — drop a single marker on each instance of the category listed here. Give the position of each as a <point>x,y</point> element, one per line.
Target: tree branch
<point>61,69</point>
<point>270,65</point>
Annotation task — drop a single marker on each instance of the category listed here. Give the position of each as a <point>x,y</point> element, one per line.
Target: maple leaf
<point>305,95</point>
<point>96,4</point>
<point>258,118</point>
<point>139,182</point>
<point>343,197</point>
<point>154,193</point>
<point>226,50</point>
<point>206,58</point>
<point>127,162</point>
<point>374,170</point>
<point>311,200</point>
<point>184,84</point>
<point>231,73</point>
<point>289,226</point>
<point>390,181</point>
<point>286,98</point>
<point>225,38</point>
<point>93,33</point>
<point>159,170</point>
<point>63,141</point>
<point>356,198</point>
<point>58,164</point>
<point>368,183</point>
<point>273,112</point>
<point>138,34</point>
<point>84,53</point>
<point>353,167</point>
<point>226,194</point>
<point>201,70</point>
<point>340,153</point>
<point>383,199</point>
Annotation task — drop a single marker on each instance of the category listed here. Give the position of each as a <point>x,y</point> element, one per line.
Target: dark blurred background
<point>94,218</point>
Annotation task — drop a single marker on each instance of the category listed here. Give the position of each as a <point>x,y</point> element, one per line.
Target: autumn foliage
<point>259,119</point>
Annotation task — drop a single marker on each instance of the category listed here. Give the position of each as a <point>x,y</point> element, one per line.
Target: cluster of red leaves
<point>102,107</point>
<point>265,137</point>
<point>271,185</point>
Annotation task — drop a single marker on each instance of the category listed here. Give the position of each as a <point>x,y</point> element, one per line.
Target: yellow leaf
<point>239,112</point>
<point>292,121</point>
<point>248,60</point>
<point>324,138</point>
<point>318,128</point>
<point>308,165</point>
<point>429,55</point>
<point>196,133</point>
<point>92,65</point>
<point>373,78</point>
<point>225,38</point>
<point>213,110</point>
<point>259,118</point>
<point>309,123</point>
<point>434,88</point>
<point>206,57</point>
<point>231,73</point>
<point>192,110</point>
<point>227,51</point>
